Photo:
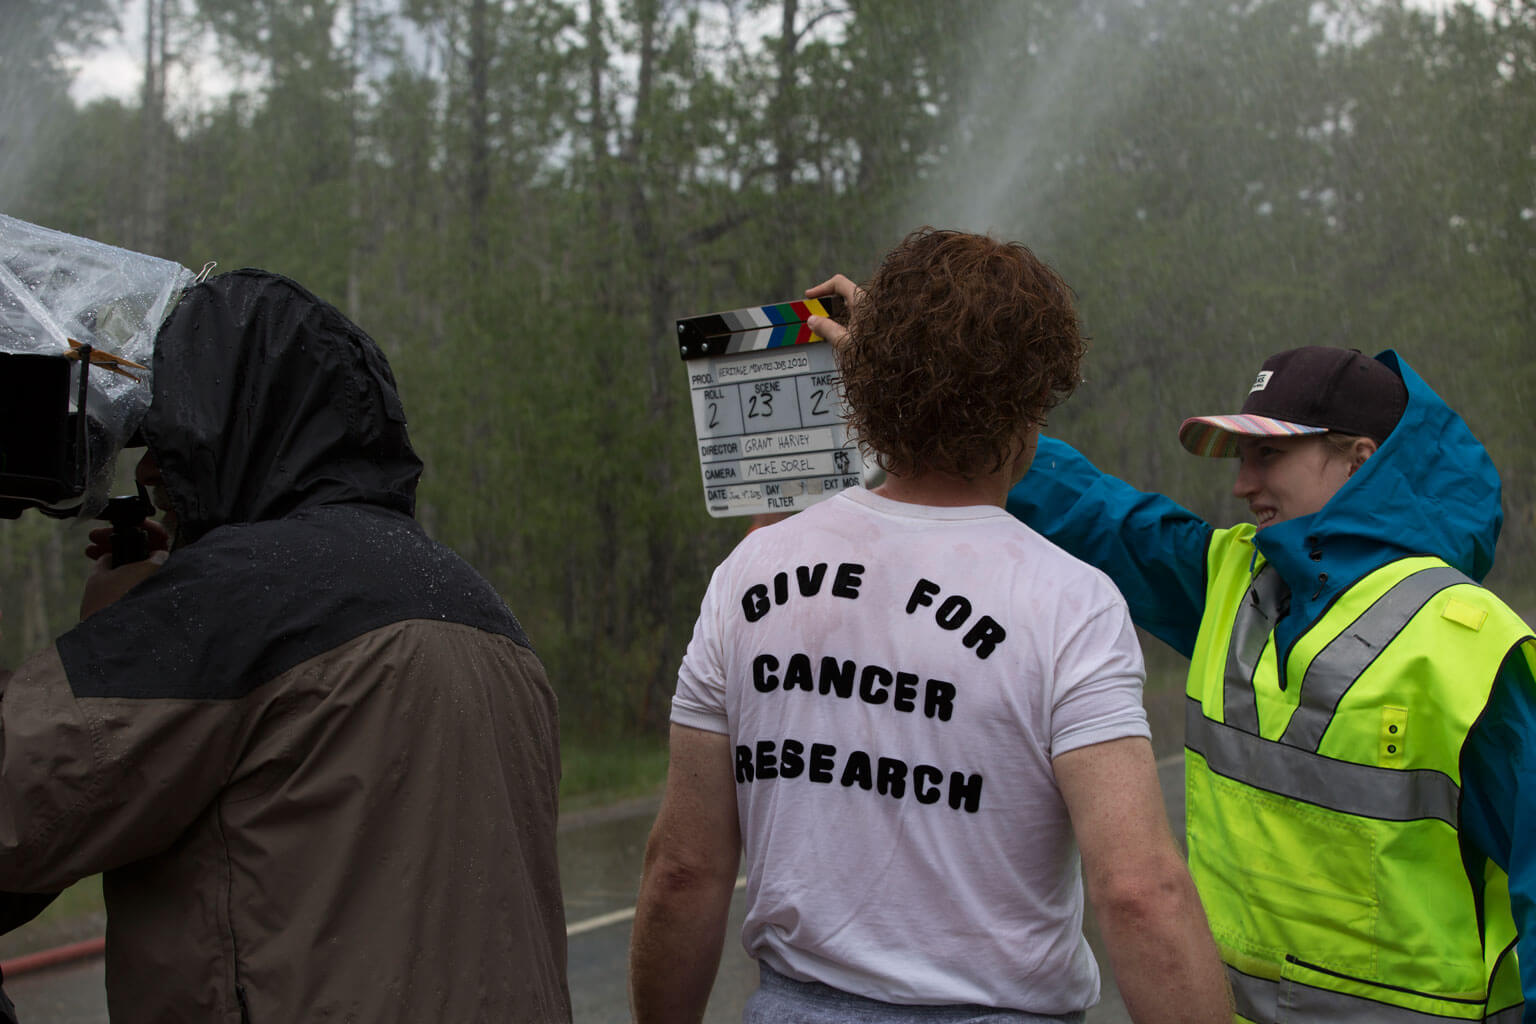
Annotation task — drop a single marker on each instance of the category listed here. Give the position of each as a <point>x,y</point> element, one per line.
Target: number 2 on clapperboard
<point>714,421</point>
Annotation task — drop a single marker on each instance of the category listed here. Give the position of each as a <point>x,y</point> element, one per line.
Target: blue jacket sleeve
<point>1498,802</point>
<point>1151,546</point>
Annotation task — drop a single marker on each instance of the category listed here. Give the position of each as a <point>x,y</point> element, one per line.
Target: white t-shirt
<point>895,680</point>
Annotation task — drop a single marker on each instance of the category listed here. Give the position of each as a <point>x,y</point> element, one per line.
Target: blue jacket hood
<point>1430,489</point>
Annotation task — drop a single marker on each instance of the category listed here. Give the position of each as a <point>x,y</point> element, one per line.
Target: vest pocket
<point>1279,876</point>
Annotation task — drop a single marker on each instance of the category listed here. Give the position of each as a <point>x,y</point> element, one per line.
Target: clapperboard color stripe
<point>754,328</point>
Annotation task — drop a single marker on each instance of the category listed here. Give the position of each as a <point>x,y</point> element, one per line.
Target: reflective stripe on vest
<point>1258,999</point>
<point>1349,654</point>
<point>1336,666</point>
<point>1291,767</point>
<point>1250,632</point>
<point>1391,794</point>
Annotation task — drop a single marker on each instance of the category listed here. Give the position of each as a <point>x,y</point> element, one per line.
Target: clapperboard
<point>767,408</point>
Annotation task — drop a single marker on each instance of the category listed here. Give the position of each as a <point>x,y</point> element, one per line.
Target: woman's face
<point>1284,477</point>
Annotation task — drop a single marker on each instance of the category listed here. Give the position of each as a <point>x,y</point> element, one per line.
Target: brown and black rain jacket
<point>314,757</point>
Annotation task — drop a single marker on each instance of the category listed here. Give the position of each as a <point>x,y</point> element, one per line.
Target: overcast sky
<point>116,68</point>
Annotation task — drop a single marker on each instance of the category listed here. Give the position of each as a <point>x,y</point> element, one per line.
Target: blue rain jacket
<point>1430,489</point>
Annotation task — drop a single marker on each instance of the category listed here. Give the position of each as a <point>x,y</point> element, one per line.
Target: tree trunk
<point>355,64</point>
<point>154,137</point>
<point>478,190</point>
<point>785,150</point>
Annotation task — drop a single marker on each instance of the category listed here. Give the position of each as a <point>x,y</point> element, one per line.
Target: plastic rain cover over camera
<point>57,288</point>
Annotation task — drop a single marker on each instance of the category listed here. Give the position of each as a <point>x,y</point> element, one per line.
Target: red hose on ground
<point>52,957</point>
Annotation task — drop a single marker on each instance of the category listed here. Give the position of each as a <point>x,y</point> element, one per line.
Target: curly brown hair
<point>959,344</point>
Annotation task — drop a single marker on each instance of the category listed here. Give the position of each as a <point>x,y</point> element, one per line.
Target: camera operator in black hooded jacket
<point>311,751</point>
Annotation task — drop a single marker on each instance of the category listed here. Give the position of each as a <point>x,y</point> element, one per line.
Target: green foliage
<point>78,914</point>
<point>36,36</point>
<point>599,772</point>
<point>518,197</point>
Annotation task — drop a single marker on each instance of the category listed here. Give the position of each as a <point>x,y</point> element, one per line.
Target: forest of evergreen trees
<point>517,198</point>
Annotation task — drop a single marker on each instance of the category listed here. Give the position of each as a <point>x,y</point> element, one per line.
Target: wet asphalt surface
<point>600,856</point>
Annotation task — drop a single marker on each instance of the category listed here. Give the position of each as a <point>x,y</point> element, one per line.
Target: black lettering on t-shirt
<point>873,682</point>
<point>754,603</point>
<point>925,784</point>
<point>763,679</point>
<point>857,771</point>
<point>809,577</point>
<point>849,577</point>
<point>887,776</point>
<point>984,636</point>
<point>837,676</point>
<point>876,684</point>
<point>891,777</point>
<point>767,764</point>
<point>798,673</point>
<point>791,759</point>
<point>964,791</point>
<point>939,700</point>
<point>822,762</point>
<point>922,594</point>
<point>953,612</point>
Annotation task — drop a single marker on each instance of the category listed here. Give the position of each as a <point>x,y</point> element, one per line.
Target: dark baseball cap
<point>1310,390</point>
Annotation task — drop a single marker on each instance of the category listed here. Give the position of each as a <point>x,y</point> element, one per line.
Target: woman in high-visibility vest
<point>1361,714</point>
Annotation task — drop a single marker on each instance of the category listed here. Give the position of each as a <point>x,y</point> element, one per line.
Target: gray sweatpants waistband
<point>781,1000</point>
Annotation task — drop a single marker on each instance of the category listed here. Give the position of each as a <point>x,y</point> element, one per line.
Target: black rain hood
<point>268,400</point>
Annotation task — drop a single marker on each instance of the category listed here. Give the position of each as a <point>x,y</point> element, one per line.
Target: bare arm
<point>1159,944</point>
<point>685,891</point>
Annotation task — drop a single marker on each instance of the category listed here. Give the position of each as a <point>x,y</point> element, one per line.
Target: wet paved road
<point>600,865</point>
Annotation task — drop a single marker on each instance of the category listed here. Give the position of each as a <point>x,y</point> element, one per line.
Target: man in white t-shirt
<point>911,712</point>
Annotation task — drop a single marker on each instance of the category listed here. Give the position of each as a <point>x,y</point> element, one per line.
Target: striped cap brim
<point>1217,436</point>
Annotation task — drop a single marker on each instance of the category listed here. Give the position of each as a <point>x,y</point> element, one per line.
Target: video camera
<point>78,321</point>
<point>42,441</point>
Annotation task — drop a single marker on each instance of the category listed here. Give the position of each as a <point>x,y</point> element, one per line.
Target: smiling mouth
<point>1263,516</point>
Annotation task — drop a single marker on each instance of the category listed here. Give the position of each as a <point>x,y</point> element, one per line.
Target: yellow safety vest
<point>1323,805</point>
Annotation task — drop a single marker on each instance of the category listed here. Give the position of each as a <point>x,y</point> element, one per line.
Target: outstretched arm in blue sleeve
<point>1151,546</point>
<point>1498,805</point>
